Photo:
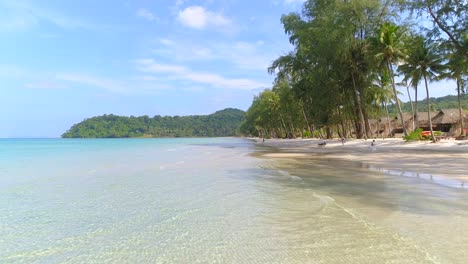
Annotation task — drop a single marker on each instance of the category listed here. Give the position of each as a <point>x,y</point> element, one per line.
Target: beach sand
<point>444,160</point>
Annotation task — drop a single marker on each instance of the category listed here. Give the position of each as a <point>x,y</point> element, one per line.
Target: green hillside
<point>220,124</point>
<point>449,101</point>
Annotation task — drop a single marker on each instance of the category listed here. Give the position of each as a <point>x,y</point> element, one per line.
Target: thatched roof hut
<point>396,121</point>
<point>423,119</point>
<point>448,116</point>
<point>448,120</point>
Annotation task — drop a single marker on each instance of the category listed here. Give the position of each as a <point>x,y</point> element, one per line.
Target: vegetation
<point>415,135</point>
<point>346,59</point>
<point>445,102</point>
<point>419,134</point>
<point>220,124</point>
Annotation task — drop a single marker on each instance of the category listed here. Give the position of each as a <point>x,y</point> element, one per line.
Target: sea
<point>216,200</point>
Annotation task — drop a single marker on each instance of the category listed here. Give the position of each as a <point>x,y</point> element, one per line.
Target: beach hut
<point>397,128</point>
<point>423,120</point>
<point>448,121</point>
<point>385,127</point>
<point>374,125</point>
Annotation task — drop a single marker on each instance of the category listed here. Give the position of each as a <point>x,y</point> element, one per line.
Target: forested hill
<point>220,124</point>
<point>445,102</point>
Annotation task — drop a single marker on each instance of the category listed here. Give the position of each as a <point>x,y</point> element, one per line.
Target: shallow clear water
<point>209,201</point>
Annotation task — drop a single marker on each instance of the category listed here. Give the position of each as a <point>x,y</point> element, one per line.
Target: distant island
<point>222,123</point>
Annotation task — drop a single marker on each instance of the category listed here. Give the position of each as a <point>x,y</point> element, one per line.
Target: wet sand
<point>415,193</point>
<point>445,159</point>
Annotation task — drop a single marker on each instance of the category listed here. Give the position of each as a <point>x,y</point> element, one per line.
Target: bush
<point>306,134</point>
<point>418,135</point>
<point>415,135</point>
<point>316,134</point>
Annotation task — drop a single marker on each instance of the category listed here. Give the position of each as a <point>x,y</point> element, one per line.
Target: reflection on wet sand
<point>387,215</point>
<point>434,178</point>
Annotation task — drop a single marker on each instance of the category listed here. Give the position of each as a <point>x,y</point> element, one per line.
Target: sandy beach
<point>446,160</point>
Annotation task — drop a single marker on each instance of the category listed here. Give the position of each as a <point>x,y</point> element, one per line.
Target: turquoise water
<point>210,201</point>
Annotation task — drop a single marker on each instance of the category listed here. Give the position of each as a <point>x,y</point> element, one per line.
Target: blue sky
<point>63,61</point>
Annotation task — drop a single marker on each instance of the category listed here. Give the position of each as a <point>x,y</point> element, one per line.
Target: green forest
<point>439,103</point>
<point>350,57</point>
<point>220,124</point>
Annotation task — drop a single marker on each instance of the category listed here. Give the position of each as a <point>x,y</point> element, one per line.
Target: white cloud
<point>184,74</point>
<point>48,35</point>
<point>24,15</point>
<point>143,13</point>
<point>249,56</point>
<point>145,84</point>
<point>46,85</point>
<point>219,81</point>
<point>181,50</point>
<point>245,55</point>
<point>290,2</point>
<point>202,53</point>
<point>104,83</point>
<point>179,3</point>
<point>17,22</point>
<point>199,18</point>
<point>149,65</point>
<point>166,42</point>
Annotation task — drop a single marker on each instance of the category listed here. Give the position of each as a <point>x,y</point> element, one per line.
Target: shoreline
<point>444,162</point>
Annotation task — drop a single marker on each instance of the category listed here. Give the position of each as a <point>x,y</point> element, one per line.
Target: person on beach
<point>343,140</point>
<point>322,143</point>
<point>373,147</point>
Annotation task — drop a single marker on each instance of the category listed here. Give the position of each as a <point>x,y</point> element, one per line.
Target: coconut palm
<point>457,68</point>
<point>410,70</point>
<point>429,65</point>
<point>382,96</point>
<point>389,49</point>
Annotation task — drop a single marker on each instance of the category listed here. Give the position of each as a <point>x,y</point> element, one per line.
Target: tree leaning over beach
<point>449,19</point>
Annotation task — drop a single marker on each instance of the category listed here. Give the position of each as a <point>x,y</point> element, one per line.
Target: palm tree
<point>411,72</point>
<point>457,67</point>
<point>429,65</point>
<point>390,50</point>
<point>407,86</point>
<point>382,96</point>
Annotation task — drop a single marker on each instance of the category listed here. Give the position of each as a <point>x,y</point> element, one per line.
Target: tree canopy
<point>220,124</point>
<point>346,61</point>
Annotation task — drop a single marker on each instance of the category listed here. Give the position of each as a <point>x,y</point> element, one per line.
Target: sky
<point>63,61</point>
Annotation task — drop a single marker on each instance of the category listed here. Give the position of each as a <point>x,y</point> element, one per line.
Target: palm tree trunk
<point>411,102</point>
<point>343,129</point>
<point>370,134</point>
<point>416,116</point>
<point>429,109</point>
<point>390,69</point>
<point>462,125</point>
<point>293,130</point>
<point>388,119</point>
<point>305,119</point>
<point>284,124</point>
